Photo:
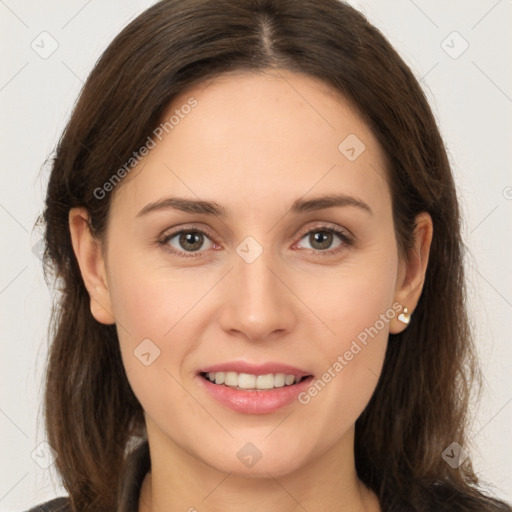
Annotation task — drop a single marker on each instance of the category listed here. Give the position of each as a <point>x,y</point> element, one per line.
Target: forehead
<point>253,137</point>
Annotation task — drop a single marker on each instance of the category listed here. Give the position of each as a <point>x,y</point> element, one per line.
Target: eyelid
<point>327,227</point>
<point>170,232</point>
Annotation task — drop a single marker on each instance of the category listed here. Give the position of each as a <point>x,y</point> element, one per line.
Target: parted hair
<point>420,405</point>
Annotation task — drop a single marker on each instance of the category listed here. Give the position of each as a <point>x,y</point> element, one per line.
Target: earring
<point>404,316</point>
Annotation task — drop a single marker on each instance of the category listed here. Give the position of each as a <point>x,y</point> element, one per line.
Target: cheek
<point>147,300</point>
<point>357,308</point>
<point>149,313</point>
<point>154,341</point>
<point>353,297</point>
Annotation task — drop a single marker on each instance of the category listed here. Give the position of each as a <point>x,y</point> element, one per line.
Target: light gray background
<point>471,97</point>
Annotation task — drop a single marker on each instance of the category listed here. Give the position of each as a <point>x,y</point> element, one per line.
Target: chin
<point>255,460</point>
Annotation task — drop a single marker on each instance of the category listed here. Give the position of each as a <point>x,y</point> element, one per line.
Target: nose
<point>257,303</point>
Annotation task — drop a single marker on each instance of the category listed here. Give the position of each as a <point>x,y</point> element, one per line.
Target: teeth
<point>246,381</point>
<point>230,378</point>
<point>265,381</point>
<point>279,379</point>
<point>249,381</point>
<point>289,379</point>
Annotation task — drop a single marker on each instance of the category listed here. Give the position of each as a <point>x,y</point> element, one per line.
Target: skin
<point>255,143</point>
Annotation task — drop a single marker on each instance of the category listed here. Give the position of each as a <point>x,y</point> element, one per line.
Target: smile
<point>247,381</point>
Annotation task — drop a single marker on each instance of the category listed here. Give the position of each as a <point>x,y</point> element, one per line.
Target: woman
<point>216,348</point>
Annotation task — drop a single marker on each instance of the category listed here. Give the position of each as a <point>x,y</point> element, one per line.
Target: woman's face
<point>262,287</point>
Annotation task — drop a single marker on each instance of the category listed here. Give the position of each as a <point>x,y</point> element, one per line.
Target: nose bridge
<point>257,303</point>
<point>255,280</point>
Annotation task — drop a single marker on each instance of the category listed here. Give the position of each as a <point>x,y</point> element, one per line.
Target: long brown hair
<point>421,401</point>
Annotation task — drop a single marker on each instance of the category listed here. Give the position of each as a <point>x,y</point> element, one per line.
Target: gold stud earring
<point>404,316</point>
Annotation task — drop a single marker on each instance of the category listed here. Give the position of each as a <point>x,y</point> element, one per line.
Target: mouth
<point>254,389</point>
<point>251,388</point>
<point>253,382</point>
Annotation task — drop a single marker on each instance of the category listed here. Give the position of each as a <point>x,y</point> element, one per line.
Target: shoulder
<point>137,465</point>
<point>56,505</point>
<point>445,497</point>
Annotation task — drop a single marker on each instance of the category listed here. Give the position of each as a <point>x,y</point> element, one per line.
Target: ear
<point>411,274</point>
<point>90,259</point>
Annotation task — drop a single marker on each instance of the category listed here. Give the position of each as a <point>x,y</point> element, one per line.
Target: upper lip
<point>255,369</point>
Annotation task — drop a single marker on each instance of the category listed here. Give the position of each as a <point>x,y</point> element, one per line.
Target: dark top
<point>138,465</point>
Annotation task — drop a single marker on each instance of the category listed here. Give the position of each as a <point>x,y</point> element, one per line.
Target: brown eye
<point>321,239</point>
<point>186,241</point>
<point>191,241</point>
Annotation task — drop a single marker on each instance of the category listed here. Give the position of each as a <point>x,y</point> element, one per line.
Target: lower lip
<point>255,402</point>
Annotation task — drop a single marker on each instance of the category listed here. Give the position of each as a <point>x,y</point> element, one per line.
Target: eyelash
<point>346,239</point>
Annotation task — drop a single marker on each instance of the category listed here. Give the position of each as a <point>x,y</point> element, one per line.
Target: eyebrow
<point>213,208</point>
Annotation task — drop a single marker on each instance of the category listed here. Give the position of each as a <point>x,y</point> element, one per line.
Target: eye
<point>321,238</point>
<point>186,241</point>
